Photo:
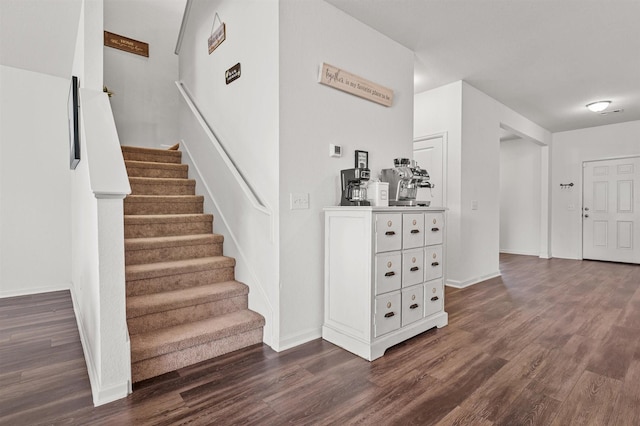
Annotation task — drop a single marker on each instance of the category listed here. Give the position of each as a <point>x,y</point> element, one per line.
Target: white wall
<point>244,115</point>
<point>473,139</point>
<point>145,104</point>
<point>569,150</point>
<point>35,241</point>
<point>311,117</point>
<point>520,197</point>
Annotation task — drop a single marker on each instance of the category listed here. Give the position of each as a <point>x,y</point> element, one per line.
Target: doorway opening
<point>520,194</point>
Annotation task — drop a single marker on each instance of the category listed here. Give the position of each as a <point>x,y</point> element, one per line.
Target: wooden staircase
<point>183,303</point>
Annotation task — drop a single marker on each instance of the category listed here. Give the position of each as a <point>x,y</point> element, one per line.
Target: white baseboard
<point>472,281</point>
<point>101,394</point>
<point>298,339</point>
<point>521,252</point>
<point>34,290</point>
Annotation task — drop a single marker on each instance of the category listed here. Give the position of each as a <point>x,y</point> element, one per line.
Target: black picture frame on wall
<point>73,110</point>
<point>362,160</point>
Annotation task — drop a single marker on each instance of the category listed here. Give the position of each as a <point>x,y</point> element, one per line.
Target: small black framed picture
<point>362,159</point>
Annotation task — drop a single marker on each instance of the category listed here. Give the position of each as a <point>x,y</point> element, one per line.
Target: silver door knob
<point>586,209</point>
<point>586,215</point>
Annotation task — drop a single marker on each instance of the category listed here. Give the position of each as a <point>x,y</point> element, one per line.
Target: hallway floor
<point>550,342</point>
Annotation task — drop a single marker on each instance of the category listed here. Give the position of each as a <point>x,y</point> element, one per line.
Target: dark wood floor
<point>550,342</point>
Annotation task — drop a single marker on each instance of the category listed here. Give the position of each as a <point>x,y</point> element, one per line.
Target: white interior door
<point>429,154</point>
<point>611,210</point>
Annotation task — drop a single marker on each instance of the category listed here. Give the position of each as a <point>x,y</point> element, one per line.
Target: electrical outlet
<point>299,201</point>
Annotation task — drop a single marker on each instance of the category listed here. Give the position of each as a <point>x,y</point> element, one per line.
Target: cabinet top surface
<point>389,209</point>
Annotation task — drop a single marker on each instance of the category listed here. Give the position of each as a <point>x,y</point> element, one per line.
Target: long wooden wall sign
<point>127,44</point>
<point>347,82</point>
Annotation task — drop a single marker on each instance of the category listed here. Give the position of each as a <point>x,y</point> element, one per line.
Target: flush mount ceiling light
<point>598,106</point>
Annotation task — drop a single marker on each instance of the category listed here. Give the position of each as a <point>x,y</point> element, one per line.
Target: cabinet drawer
<point>412,230</point>
<point>388,312</point>
<point>433,297</point>
<point>388,232</point>
<point>412,299</point>
<point>412,267</point>
<point>433,228</point>
<point>432,262</point>
<point>388,272</point>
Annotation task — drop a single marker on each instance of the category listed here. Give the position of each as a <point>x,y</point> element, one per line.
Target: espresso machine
<point>404,180</point>
<point>354,189</point>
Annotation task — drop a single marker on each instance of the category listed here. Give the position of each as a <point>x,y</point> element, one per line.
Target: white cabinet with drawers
<point>384,276</point>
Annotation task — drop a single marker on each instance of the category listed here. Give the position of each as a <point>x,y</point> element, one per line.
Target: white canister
<point>378,193</point>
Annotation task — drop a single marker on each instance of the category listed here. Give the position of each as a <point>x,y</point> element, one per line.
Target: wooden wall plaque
<point>350,83</point>
<point>127,44</point>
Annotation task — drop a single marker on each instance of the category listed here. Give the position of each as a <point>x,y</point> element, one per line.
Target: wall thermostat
<point>335,150</point>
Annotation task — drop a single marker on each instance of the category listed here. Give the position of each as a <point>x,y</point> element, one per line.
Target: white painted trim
<point>183,26</point>
<point>472,281</point>
<point>299,339</point>
<point>101,395</point>
<point>268,329</point>
<point>34,290</point>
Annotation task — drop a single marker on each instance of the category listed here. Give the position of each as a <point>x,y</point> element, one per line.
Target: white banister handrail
<point>246,188</point>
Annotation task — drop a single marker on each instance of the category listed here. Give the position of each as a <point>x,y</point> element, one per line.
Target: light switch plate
<point>474,205</point>
<point>299,201</point>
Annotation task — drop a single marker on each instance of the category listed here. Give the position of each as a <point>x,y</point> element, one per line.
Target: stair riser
<point>167,229</point>
<point>186,188</point>
<point>165,254</point>
<point>172,361</point>
<point>150,322</point>
<point>163,208</point>
<point>157,173</point>
<point>168,157</point>
<point>177,282</point>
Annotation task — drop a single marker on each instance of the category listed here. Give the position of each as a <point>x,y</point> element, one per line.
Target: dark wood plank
<point>590,401</point>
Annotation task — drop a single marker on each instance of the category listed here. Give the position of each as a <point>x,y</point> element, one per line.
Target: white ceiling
<point>545,59</point>
<point>39,35</point>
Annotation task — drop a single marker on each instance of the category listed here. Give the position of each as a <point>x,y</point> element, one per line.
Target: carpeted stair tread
<point>156,169</point>
<point>176,338</point>
<point>166,224</point>
<point>163,198</point>
<point>163,181</point>
<point>169,300</point>
<point>162,186</point>
<point>160,269</point>
<point>172,241</point>
<point>166,218</point>
<point>136,153</point>
<point>156,165</point>
<point>163,204</point>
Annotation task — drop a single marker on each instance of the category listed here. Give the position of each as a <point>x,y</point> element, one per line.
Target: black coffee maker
<point>354,190</point>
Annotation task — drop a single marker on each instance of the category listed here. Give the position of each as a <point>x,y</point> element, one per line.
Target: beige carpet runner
<point>183,303</point>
